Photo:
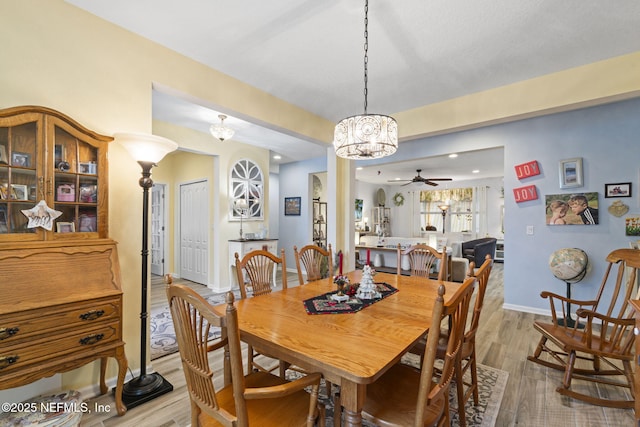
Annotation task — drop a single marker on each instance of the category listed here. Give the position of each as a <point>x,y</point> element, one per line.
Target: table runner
<point>322,304</point>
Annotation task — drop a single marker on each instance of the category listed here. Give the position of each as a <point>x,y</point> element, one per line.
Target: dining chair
<point>408,396</point>
<point>258,398</point>
<point>467,361</point>
<point>423,259</point>
<point>257,270</point>
<point>256,273</point>
<point>317,262</point>
<point>597,336</point>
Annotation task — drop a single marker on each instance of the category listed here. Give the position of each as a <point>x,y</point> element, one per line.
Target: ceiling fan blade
<point>410,182</point>
<point>399,180</point>
<point>431,183</point>
<point>439,179</point>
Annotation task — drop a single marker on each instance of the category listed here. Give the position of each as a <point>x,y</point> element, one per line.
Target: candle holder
<point>341,281</point>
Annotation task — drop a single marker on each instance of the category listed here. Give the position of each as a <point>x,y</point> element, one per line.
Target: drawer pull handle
<point>8,332</point>
<point>7,361</point>
<point>91,339</point>
<point>92,315</point>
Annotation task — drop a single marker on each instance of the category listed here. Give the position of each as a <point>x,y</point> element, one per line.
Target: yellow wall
<point>62,57</point>
<point>209,159</point>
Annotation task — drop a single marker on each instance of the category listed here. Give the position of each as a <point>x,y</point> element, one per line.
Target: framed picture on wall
<point>632,225</point>
<point>358,213</point>
<point>571,173</point>
<point>292,205</point>
<point>617,190</point>
<point>572,209</point>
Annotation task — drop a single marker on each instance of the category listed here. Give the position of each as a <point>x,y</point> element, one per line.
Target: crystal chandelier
<point>366,136</point>
<point>220,131</point>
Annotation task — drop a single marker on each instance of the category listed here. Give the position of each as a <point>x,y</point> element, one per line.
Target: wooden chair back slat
<point>316,261</point>
<point>423,259</point>
<point>257,270</point>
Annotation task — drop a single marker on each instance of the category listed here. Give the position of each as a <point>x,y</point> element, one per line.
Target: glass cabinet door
<point>19,171</point>
<point>75,188</point>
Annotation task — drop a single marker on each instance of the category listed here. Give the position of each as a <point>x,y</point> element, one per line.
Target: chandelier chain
<point>366,50</point>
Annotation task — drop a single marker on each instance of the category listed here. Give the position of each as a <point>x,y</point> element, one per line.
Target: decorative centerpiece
<point>341,281</point>
<point>367,289</point>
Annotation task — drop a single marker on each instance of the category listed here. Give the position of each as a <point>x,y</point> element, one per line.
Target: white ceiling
<point>310,52</point>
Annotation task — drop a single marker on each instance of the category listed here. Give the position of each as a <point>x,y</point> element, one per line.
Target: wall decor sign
<point>526,170</point>
<point>570,172</point>
<point>617,190</point>
<point>525,194</point>
<point>572,209</point>
<point>292,205</point>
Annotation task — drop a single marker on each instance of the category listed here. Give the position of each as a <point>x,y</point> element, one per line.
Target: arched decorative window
<point>246,182</point>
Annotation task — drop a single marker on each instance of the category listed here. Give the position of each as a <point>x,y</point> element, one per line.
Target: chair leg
<point>474,377</point>
<point>541,344</point>
<point>628,373</point>
<point>568,373</point>
<point>249,359</point>
<point>460,392</point>
<point>337,410</point>
<point>445,415</point>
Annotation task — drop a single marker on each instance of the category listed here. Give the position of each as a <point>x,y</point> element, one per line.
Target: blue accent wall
<point>607,137</point>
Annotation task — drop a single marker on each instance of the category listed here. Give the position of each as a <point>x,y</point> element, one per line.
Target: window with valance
<point>460,214</point>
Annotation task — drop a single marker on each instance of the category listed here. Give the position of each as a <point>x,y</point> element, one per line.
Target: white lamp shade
<point>146,147</point>
<point>241,204</point>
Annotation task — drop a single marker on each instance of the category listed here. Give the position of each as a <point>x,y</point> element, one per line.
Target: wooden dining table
<point>349,349</point>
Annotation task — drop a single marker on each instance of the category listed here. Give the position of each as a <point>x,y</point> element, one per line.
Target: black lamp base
<point>144,388</point>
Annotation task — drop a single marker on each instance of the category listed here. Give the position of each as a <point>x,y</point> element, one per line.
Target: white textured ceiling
<point>310,52</point>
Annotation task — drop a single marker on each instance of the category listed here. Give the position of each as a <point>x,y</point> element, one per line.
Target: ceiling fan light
<point>366,136</point>
<point>220,131</point>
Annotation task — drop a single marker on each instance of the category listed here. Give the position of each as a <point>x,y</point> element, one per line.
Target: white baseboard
<point>526,309</point>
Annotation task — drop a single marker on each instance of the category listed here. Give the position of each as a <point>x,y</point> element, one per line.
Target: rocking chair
<point>597,338</point>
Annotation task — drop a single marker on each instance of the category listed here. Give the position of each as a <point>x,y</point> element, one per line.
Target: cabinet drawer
<point>17,327</point>
<point>47,348</point>
<point>257,245</point>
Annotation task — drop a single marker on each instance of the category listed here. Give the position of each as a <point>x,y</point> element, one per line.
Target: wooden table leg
<point>352,397</point>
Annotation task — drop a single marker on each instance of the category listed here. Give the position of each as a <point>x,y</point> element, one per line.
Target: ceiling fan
<point>418,178</point>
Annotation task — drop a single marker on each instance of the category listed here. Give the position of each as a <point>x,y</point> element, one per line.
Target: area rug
<point>491,386</point>
<point>163,336</point>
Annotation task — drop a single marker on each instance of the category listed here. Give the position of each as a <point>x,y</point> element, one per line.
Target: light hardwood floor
<point>505,339</point>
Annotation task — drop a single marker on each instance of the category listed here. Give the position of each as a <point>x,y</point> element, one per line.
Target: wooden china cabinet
<point>61,303</point>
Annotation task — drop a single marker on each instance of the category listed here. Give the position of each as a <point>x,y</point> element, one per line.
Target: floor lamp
<point>444,209</point>
<point>147,150</point>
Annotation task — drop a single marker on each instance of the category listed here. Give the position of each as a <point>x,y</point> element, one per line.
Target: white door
<point>194,231</point>
<point>158,228</point>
